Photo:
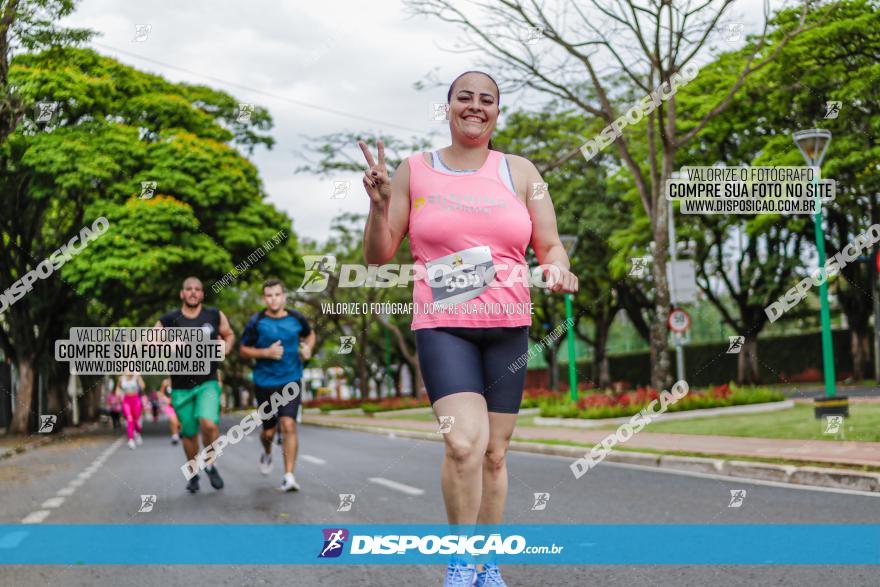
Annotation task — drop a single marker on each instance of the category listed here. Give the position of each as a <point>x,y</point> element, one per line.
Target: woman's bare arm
<point>388,220</point>
<point>545,235</point>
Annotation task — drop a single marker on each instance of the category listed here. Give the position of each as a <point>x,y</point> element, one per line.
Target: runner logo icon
<point>147,503</point>
<point>47,423</point>
<point>736,343</point>
<point>317,275</point>
<point>541,500</point>
<point>346,500</point>
<point>832,424</point>
<point>334,540</point>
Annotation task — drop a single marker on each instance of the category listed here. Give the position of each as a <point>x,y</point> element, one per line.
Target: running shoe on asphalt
<point>193,485</point>
<point>459,574</point>
<point>289,483</point>
<point>175,439</point>
<point>131,443</point>
<point>490,577</point>
<point>214,476</point>
<point>265,463</point>
<point>138,439</point>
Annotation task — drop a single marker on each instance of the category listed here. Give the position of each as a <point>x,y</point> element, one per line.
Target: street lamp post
<point>569,241</point>
<point>812,144</point>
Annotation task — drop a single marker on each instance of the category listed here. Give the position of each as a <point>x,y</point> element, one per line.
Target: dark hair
<point>273,283</point>
<point>497,90</point>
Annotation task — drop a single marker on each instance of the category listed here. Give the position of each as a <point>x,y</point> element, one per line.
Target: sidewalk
<point>11,445</point>
<point>832,452</point>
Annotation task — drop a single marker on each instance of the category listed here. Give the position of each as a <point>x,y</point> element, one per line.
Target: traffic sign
<point>679,321</point>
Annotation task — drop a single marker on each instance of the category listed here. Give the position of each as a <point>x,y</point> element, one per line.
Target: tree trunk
<point>420,391</point>
<point>90,401</point>
<point>22,417</point>
<point>56,404</point>
<point>553,366</point>
<point>363,378</point>
<point>601,369</point>
<point>747,363</point>
<point>861,353</point>
<point>659,355</point>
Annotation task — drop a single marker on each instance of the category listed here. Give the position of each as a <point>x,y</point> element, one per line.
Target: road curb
<point>790,474</point>
<point>46,439</point>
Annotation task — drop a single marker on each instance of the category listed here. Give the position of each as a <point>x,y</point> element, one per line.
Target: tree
<point>651,44</point>
<point>835,58</point>
<point>114,128</point>
<point>586,208</point>
<point>334,157</point>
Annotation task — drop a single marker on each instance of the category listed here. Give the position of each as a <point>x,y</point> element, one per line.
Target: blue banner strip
<point>612,544</point>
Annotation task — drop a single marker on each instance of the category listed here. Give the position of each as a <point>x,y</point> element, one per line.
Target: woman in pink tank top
<point>469,220</point>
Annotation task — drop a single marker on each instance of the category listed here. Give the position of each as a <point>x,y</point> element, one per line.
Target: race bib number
<point>461,276</point>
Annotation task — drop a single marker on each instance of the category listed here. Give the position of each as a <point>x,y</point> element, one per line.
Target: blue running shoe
<point>459,574</point>
<point>490,577</point>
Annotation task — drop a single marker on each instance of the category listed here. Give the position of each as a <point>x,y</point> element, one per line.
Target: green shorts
<point>202,401</point>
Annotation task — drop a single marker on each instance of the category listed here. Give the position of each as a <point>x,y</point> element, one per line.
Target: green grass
<point>797,422</point>
<point>683,453</point>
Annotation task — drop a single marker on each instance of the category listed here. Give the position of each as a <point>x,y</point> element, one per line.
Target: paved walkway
<point>826,451</point>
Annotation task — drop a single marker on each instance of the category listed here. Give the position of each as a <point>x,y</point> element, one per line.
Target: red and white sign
<point>679,321</point>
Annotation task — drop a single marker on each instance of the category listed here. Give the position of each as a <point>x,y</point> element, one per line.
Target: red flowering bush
<point>613,405</point>
<point>393,403</point>
<point>330,403</point>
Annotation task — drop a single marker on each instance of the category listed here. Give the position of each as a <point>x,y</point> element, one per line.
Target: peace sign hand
<point>376,180</point>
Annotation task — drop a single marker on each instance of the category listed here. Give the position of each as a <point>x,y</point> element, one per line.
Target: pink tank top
<point>463,229</point>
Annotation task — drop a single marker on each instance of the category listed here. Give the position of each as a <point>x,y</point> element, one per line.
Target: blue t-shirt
<point>261,331</point>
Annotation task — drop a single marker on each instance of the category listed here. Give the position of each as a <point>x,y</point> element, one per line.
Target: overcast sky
<point>360,58</point>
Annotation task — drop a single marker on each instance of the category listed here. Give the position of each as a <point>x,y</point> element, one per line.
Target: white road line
<point>313,460</point>
<point>36,517</point>
<point>53,502</point>
<point>408,489</point>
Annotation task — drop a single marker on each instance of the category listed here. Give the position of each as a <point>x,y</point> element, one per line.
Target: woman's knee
<point>464,449</point>
<point>496,454</point>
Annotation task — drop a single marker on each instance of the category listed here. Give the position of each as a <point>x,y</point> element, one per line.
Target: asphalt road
<point>61,483</point>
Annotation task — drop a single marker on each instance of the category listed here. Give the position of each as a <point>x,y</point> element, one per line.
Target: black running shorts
<point>290,409</point>
<point>457,359</point>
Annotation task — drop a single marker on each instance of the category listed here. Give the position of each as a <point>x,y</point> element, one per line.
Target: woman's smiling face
<point>473,108</point>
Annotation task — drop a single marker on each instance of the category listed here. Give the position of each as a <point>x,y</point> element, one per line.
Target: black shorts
<point>290,409</point>
<point>475,359</point>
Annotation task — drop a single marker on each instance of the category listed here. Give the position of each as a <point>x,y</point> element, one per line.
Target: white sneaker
<point>265,463</point>
<point>131,443</point>
<point>138,439</point>
<point>175,439</point>
<point>289,483</point>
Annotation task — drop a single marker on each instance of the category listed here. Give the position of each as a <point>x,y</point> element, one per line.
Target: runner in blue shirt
<point>276,337</point>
